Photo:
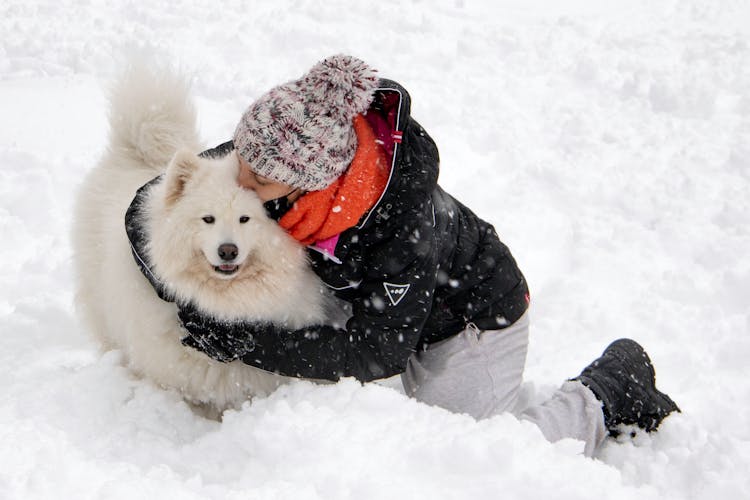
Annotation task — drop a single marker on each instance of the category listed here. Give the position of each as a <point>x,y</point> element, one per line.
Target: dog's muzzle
<point>227,253</point>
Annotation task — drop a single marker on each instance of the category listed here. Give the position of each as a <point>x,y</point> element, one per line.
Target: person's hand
<point>221,341</point>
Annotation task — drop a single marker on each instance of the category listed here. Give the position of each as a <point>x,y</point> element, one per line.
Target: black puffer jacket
<point>417,268</point>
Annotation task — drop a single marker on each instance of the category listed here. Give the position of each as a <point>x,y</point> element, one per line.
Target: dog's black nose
<point>228,251</point>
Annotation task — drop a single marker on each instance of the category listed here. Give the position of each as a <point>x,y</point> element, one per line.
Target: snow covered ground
<point>609,143</point>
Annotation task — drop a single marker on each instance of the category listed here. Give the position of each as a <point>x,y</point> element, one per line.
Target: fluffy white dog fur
<point>195,208</point>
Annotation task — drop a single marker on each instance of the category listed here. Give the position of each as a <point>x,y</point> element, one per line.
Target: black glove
<point>220,340</point>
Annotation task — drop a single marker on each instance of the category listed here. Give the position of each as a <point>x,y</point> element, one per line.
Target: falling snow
<point>607,141</point>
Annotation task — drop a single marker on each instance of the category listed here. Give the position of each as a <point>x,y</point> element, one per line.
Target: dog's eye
<point>244,219</point>
<point>209,219</point>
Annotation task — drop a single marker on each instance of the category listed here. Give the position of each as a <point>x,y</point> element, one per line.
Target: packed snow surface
<point>607,141</point>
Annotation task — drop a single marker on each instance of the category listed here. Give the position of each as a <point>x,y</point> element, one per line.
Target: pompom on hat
<point>301,133</point>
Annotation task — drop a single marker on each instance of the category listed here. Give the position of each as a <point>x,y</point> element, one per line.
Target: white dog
<point>209,242</point>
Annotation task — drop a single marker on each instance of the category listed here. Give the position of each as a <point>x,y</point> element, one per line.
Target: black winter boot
<point>623,379</point>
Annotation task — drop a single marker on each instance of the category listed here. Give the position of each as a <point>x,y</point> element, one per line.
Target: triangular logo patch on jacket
<point>395,292</point>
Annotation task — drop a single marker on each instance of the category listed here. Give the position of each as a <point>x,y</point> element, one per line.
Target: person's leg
<point>571,412</point>
<point>473,372</point>
<point>480,373</point>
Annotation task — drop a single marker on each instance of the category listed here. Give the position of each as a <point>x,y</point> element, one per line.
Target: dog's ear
<point>180,169</point>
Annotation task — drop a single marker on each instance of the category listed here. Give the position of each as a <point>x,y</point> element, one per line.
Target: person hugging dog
<point>435,295</point>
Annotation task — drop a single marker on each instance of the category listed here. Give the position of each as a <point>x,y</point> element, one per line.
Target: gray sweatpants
<point>480,373</point>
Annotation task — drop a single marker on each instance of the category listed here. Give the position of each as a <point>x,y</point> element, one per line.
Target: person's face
<point>265,188</point>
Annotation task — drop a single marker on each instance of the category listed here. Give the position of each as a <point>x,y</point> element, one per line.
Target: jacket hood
<point>413,154</point>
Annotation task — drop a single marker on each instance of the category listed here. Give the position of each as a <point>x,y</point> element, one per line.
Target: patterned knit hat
<point>301,133</point>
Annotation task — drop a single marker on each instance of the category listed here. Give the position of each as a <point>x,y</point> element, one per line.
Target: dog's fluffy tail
<point>151,114</point>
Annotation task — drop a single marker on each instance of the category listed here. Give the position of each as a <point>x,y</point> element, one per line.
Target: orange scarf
<point>320,215</point>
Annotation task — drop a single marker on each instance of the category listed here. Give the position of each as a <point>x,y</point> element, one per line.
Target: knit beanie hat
<point>301,133</point>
